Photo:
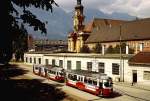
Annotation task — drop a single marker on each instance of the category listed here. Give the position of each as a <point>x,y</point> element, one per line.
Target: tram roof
<point>56,69</point>
<point>88,73</point>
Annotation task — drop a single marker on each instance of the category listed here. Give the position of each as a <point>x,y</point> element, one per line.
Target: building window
<point>26,59</point>
<point>53,62</point>
<point>115,68</point>
<point>61,63</point>
<point>39,60</point>
<point>78,65</point>
<point>89,66</point>
<point>30,60</point>
<point>68,64</point>
<point>146,75</point>
<point>34,60</point>
<point>101,67</point>
<point>46,62</point>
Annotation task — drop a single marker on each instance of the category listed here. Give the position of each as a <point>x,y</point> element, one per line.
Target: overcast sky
<point>139,8</point>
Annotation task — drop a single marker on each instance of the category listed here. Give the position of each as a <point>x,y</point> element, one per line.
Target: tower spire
<point>78,17</point>
<point>78,2</point>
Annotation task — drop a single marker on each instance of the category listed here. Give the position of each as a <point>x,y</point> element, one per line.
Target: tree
<point>85,49</point>
<point>110,49</point>
<point>97,48</point>
<point>16,23</point>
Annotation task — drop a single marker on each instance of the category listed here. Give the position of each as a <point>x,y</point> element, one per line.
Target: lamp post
<point>120,53</point>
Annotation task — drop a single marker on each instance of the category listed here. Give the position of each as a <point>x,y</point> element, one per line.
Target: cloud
<point>138,8</point>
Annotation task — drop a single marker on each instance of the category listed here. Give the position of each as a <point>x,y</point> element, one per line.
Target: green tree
<point>97,48</point>
<point>131,51</point>
<point>110,49</point>
<point>16,29</point>
<point>123,48</point>
<point>85,49</point>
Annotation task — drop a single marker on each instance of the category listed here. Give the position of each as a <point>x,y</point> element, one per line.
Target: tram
<point>36,69</point>
<point>57,74</point>
<point>92,82</point>
<point>51,72</point>
<point>41,70</point>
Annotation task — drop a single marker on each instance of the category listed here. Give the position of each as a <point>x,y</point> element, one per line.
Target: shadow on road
<point>8,71</point>
<point>26,89</point>
<point>114,95</point>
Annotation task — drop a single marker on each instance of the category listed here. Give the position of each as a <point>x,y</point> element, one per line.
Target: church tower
<point>78,18</point>
<point>77,37</point>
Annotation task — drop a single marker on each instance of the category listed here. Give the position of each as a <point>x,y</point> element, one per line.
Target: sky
<point>139,8</point>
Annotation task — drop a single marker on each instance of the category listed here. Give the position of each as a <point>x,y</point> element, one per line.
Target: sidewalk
<point>136,85</point>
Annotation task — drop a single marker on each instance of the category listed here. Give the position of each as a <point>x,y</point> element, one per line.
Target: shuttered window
<point>61,63</point>
<point>115,68</point>
<point>146,75</point>
<point>78,65</point>
<point>89,66</point>
<point>101,67</point>
<point>34,60</point>
<point>68,64</point>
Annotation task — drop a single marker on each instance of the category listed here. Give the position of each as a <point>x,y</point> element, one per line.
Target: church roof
<point>98,22</point>
<point>131,30</point>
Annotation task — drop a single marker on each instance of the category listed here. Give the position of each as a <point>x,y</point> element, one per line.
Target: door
<point>134,76</point>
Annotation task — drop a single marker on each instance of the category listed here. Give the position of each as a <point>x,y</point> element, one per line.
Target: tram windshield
<point>36,67</point>
<point>107,83</point>
<point>61,73</point>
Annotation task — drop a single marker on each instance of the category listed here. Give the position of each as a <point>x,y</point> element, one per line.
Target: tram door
<point>134,76</point>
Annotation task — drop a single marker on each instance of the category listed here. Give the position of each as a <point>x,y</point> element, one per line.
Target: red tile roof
<point>142,58</point>
<point>131,30</point>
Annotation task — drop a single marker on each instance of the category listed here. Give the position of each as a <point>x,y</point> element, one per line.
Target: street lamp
<point>120,38</point>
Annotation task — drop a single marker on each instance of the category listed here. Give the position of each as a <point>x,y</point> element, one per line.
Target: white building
<point>108,64</point>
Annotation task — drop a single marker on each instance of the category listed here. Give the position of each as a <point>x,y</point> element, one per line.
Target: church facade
<point>108,32</point>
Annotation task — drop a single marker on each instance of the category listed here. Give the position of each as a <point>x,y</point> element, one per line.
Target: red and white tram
<point>41,70</point>
<point>36,69</point>
<point>57,74</point>
<point>93,82</point>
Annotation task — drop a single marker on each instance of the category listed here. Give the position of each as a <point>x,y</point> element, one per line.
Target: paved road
<point>121,93</point>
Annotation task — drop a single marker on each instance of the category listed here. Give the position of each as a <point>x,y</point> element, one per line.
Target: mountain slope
<point>60,22</point>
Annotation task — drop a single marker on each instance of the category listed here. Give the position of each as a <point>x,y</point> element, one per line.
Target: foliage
<point>97,48</point>
<point>116,49</point>
<point>110,49</point>
<point>16,21</point>
<point>85,49</point>
<point>131,51</point>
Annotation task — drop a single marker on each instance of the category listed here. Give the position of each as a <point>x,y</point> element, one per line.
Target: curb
<point>134,86</point>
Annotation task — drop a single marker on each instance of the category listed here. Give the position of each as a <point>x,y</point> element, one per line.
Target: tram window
<point>85,80</point>
<point>94,82</point>
<point>81,79</point>
<point>89,81</point>
<point>106,84</point>
<point>100,84</point>
<point>78,78</point>
<point>36,68</point>
<point>60,73</point>
<point>75,77</point>
<point>69,76</point>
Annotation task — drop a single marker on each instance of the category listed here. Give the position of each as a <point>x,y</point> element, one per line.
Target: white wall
<point>84,58</point>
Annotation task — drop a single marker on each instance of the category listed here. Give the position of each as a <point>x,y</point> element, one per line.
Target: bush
<point>97,48</point>
<point>85,49</point>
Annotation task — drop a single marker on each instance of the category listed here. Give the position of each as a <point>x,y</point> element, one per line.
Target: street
<point>121,93</point>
